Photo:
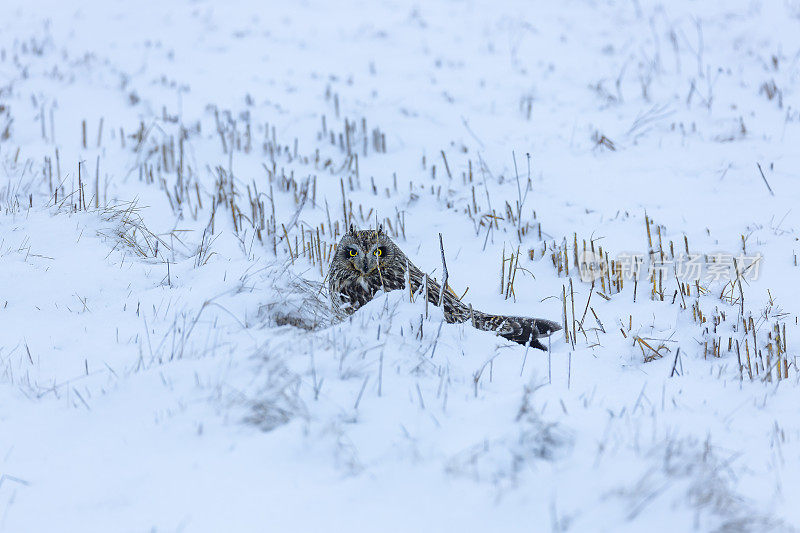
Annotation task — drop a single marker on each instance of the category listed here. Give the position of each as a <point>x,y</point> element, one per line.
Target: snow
<point>153,374</point>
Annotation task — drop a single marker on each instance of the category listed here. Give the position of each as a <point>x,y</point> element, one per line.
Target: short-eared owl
<point>367,261</point>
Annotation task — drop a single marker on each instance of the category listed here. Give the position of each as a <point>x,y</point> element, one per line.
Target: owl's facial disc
<point>359,260</point>
<point>371,261</point>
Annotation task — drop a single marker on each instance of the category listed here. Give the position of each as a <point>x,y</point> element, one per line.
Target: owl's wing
<point>522,330</point>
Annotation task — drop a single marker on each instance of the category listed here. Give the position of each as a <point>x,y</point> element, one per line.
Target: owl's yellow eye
<point>379,252</point>
<point>353,253</point>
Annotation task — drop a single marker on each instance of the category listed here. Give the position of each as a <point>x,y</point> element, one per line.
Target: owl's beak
<point>363,266</point>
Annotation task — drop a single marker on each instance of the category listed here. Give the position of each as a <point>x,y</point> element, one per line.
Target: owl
<point>367,261</point>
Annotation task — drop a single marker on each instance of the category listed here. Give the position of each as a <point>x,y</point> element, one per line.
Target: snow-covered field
<point>173,175</point>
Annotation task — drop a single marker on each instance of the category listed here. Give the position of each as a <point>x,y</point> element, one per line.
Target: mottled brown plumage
<point>368,261</point>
